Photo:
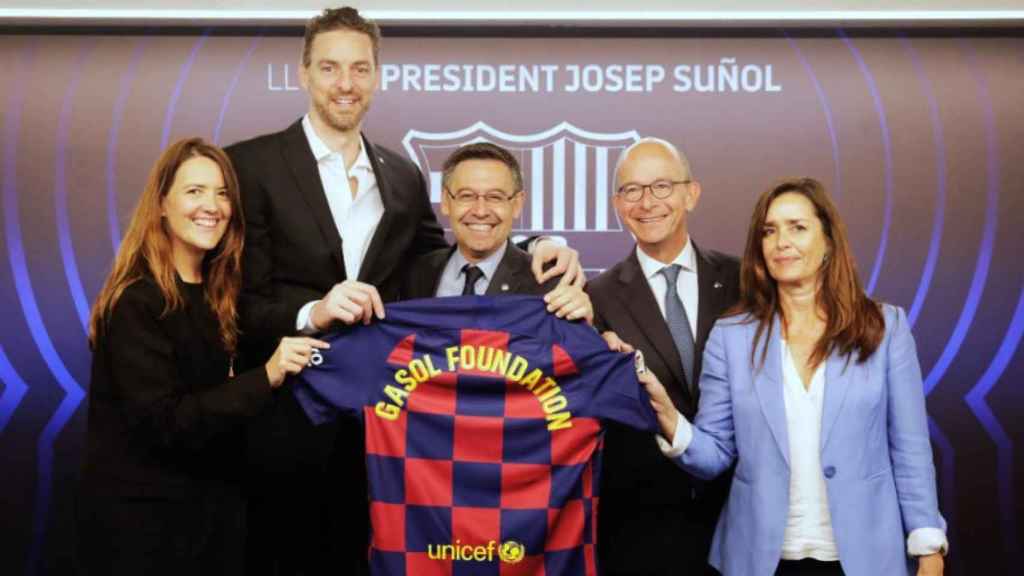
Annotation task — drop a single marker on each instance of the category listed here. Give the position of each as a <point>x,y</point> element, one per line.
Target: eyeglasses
<point>660,189</point>
<point>493,198</point>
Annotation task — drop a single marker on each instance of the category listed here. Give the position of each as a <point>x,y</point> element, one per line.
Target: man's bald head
<point>652,145</point>
<point>654,193</point>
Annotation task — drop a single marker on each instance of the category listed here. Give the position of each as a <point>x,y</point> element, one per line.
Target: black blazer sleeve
<point>160,407</point>
<point>267,309</point>
<point>429,234</point>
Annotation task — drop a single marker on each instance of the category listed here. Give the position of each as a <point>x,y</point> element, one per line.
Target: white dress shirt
<point>686,284</point>
<point>356,216</point>
<point>808,523</point>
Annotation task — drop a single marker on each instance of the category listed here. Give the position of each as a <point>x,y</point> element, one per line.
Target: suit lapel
<point>428,276</point>
<point>637,297</point>
<point>300,160</point>
<point>768,385</point>
<point>508,276</point>
<point>711,292</point>
<point>368,272</point>
<point>838,378</point>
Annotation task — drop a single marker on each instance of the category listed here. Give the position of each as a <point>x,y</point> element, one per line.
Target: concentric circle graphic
<point>913,134</point>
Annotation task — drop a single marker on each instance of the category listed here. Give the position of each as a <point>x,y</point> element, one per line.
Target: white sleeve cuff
<point>680,442</point>
<point>302,323</point>
<point>924,541</point>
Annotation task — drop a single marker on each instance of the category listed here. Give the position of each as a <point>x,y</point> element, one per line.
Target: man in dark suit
<point>483,195</point>
<point>330,220</point>
<point>662,299</point>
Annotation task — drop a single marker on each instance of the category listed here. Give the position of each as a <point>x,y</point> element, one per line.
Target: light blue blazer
<point>875,453</point>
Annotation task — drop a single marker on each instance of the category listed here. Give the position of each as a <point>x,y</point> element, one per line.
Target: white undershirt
<point>686,284</point>
<point>355,217</point>
<point>808,522</point>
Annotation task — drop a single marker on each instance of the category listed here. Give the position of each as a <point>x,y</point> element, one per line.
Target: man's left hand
<point>571,303</point>
<point>567,263</point>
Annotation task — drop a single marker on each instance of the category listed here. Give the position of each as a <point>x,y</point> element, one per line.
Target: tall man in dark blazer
<point>662,299</point>
<point>330,220</point>
<point>483,195</point>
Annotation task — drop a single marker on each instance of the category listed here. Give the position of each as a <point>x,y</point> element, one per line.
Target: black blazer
<point>164,437</point>
<point>512,276</point>
<point>292,246</point>
<point>640,485</point>
<point>293,256</point>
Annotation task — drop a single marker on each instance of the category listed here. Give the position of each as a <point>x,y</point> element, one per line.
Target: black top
<point>163,414</point>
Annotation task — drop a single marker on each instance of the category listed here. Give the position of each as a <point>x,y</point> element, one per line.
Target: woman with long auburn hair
<point>813,391</point>
<point>160,490</point>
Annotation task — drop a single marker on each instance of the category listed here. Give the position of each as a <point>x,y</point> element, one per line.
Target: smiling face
<point>793,240</point>
<point>340,79</point>
<point>659,225</point>
<point>196,211</point>
<point>483,224</point>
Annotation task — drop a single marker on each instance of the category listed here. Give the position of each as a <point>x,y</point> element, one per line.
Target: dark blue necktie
<point>679,322</point>
<point>472,275</point>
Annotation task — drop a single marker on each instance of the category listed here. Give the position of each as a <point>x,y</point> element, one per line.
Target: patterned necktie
<point>472,275</point>
<point>679,323</point>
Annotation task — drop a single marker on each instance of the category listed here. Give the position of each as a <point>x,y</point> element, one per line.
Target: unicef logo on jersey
<point>511,552</point>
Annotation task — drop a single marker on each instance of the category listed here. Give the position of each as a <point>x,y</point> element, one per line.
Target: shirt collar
<point>651,267</point>
<point>321,150</point>
<point>488,265</point>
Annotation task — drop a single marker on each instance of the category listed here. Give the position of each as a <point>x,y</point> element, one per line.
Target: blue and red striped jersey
<point>483,420</point>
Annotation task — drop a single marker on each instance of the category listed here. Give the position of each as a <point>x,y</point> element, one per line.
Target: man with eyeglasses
<point>483,195</point>
<point>662,299</point>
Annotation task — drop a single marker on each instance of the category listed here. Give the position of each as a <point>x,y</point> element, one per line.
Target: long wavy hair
<point>853,321</point>
<point>146,248</point>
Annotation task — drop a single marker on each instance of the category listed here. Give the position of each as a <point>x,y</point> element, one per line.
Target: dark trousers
<point>308,509</point>
<point>808,567</point>
<point>135,533</point>
<point>653,541</point>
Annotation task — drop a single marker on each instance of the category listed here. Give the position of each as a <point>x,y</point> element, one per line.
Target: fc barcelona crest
<point>567,172</point>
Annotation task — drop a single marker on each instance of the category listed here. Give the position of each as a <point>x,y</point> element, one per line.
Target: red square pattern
<point>478,438</point>
<point>588,480</point>
<point>525,486</point>
<point>428,482</point>
<point>435,396</point>
<point>565,526</point>
<point>476,526</point>
<point>520,402</point>
<point>588,557</point>
<point>482,338</point>
<point>529,566</point>
<point>575,445</point>
<point>393,517</point>
<point>419,564</point>
<point>385,437</point>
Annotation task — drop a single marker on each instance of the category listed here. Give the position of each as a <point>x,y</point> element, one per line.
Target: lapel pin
<point>381,158</point>
<point>718,284</point>
<point>504,287</point>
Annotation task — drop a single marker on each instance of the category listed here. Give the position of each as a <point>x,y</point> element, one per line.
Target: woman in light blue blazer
<point>814,391</point>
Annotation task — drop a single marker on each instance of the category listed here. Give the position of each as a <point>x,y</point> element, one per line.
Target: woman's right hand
<point>291,357</point>
<point>664,409</point>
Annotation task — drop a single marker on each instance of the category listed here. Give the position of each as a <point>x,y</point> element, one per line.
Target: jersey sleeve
<point>610,378</point>
<point>338,379</point>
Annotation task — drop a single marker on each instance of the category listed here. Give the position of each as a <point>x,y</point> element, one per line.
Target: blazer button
<point>830,471</point>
